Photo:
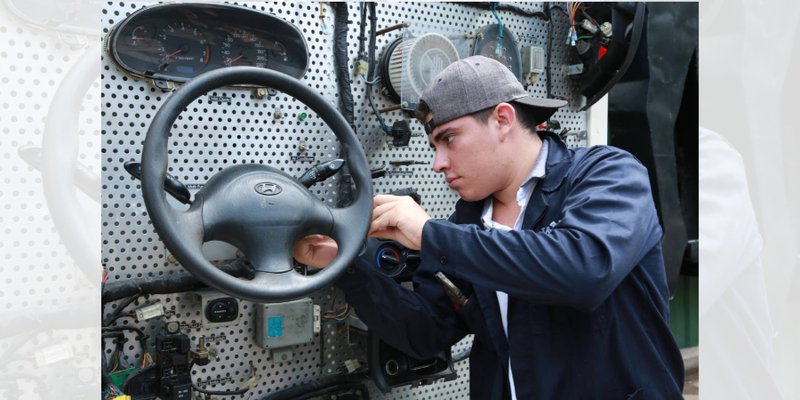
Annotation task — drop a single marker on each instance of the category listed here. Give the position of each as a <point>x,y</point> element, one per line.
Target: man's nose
<point>440,161</point>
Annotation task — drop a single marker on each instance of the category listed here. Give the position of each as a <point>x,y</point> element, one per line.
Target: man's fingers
<point>382,222</point>
<point>381,210</point>
<point>383,199</point>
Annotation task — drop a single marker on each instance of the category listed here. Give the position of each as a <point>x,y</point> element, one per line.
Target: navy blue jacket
<point>588,299</point>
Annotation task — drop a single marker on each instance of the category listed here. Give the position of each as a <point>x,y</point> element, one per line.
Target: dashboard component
<point>532,64</point>
<point>285,324</point>
<point>169,378</point>
<point>149,312</point>
<point>218,309</point>
<point>408,65</point>
<point>499,43</point>
<point>391,258</point>
<point>178,41</point>
<point>389,367</point>
<point>605,54</point>
<point>400,133</point>
<point>320,172</point>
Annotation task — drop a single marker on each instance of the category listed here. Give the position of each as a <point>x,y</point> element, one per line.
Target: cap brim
<point>542,109</point>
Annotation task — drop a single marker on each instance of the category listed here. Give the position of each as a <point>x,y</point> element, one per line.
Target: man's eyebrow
<point>438,137</point>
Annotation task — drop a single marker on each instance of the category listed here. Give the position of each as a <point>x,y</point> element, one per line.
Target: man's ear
<point>506,117</point>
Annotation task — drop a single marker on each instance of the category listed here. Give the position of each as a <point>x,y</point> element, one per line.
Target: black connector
<point>377,172</point>
<point>407,192</point>
<point>400,133</point>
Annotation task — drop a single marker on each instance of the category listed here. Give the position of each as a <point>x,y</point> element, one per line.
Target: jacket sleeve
<point>419,323</point>
<point>606,225</point>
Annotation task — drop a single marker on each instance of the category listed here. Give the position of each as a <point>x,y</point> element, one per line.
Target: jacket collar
<point>559,158</point>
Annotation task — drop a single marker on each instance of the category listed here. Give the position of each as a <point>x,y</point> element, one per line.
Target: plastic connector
<point>362,67</point>
<point>605,28</point>
<point>149,312</point>
<point>352,365</point>
<point>252,381</point>
<point>589,26</point>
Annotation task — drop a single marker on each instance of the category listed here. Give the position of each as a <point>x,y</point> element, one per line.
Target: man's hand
<point>398,218</point>
<point>315,250</point>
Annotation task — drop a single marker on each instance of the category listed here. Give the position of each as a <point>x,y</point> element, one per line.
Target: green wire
<point>499,48</point>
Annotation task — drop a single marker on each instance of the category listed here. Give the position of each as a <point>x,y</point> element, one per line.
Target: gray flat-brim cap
<point>477,83</point>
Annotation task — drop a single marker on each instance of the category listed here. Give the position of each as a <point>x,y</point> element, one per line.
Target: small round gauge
<point>241,48</point>
<point>276,50</point>
<point>186,49</point>
<point>138,45</point>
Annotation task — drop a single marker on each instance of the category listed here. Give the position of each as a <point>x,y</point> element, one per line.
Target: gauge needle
<point>233,60</point>
<point>174,53</point>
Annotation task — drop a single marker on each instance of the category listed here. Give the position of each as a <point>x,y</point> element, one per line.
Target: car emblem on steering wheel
<point>268,188</point>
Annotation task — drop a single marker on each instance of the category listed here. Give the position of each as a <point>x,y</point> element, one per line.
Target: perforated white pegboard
<point>209,136</point>
<point>49,124</point>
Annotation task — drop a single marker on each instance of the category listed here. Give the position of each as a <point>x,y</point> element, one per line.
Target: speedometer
<point>186,50</point>
<point>242,48</point>
<point>178,41</point>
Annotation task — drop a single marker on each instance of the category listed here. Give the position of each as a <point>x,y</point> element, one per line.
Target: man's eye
<point>449,139</point>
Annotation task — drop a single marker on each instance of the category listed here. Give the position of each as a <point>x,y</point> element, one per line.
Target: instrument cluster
<point>178,41</point>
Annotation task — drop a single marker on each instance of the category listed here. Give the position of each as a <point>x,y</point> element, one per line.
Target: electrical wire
<point>371,80</point>
<point>174,283</point>
<point>499,48</point>
<point>322,25</point>
<point>318,388</point>
<point>118,312</point>
<point>140,337</point>
<point>362,58</point>
<point>556,7</point>
<point>339,315</point>
<point>573,10</point>
<point>548,74</point>
<point>507,7</point>
<point>462,355</point>
<point>219,392</point>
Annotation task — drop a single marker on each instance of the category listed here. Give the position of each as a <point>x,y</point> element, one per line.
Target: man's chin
<point>468,196</point>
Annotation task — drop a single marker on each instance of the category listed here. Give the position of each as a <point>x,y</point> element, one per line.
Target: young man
<point>557,250</point>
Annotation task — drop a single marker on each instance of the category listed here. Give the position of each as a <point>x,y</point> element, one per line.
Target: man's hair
<point>524,116</point>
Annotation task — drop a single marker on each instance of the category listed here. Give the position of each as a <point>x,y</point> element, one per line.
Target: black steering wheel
<point>257,208</point>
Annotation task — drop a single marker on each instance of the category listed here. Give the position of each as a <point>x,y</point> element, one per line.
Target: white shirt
<point>523,195</point>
